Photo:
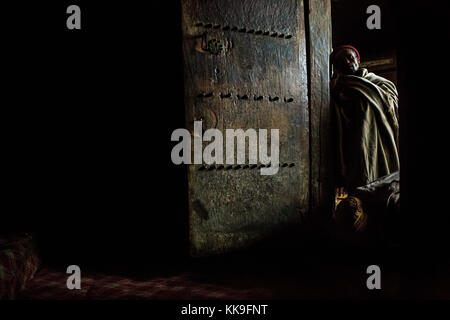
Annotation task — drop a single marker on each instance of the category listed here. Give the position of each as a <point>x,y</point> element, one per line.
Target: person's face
<point>347,61</point>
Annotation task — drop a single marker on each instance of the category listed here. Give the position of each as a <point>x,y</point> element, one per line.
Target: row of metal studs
<point>273,34</point>
<point>242,97</point>
<point>245,166</point>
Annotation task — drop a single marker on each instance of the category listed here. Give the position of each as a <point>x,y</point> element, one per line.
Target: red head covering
<point>336,51</point>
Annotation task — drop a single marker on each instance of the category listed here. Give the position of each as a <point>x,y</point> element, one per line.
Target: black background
<point>87,117</point>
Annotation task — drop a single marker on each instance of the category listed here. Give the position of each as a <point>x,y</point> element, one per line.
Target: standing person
<point>366,107</point>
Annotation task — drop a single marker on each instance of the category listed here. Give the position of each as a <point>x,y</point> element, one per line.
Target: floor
<point>246,277</point>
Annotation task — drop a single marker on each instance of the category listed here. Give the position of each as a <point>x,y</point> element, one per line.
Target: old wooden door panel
<point>322,173</point>
<point>245,67</point>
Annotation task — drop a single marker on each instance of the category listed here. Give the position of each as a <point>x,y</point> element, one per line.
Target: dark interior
<point>84,178</point>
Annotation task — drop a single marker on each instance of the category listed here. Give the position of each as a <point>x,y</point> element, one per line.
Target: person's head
<point>345,59</point>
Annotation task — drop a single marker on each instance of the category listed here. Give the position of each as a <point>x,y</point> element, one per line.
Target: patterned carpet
<point>51,285</point>
<point>24,277</point>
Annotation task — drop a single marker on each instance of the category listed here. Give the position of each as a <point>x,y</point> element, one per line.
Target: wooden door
<point>246,66</point>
